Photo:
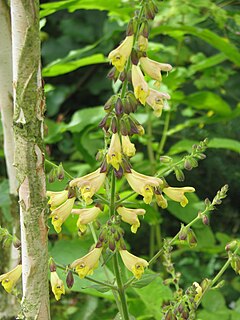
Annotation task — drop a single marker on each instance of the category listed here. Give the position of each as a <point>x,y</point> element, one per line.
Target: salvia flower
<point>156,101</point>
<point>142,43</point>
<point>134,264</point>
<point>57,285</point>
<point>57,198</point>
<point>89,184</point>
<point>128,147</point>
<point>178,194</point>
<point>86,216</point>
<point>61,213</point>
<point>119,56</point>
<point>154,68</point>
<point>85,265</point>
<point>10,278</point>
<point>141,90</point>
<point>131,216</point>
<point>114,155</point>
<point>143,184</point>
<point>161,201</point>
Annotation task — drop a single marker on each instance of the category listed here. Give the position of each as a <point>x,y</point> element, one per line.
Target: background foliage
<point>201,40</point>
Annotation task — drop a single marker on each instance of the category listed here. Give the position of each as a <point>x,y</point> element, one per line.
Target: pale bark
<point>29,156</point>
<point>8,304</point>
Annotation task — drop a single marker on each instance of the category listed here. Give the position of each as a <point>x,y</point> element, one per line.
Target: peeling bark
<point>29,157</point>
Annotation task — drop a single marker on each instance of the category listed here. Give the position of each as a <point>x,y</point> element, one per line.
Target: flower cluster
<point>132,66</point>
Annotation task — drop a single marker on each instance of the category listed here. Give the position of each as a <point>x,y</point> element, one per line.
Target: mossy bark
<point>29,157</point>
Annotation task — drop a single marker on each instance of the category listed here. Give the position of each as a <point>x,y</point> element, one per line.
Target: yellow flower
<point>161,201</point>
<point>153,68</point>
<point>131,216</point>
<point>85,265</point>
<point>57,285</point>
<point>10,278</point>
<point>120,55</point>
<point>156,101</point>
<point>134,264</point>
<point>143,184</point>
<point>61,213</point>
<point>142,43</point>
<point>177,194</point>
<point>57,198</point>
<point>89,184</point>
<point>199,291</point>
<point>114,155</point>
<point>141,90</point>
<point>86,216</point>
<point>128,147</point>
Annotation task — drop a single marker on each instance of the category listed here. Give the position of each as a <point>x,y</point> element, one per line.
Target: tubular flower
<point>89,184</point>
<point>141,90</point>
<point>134,264</point>
<point>177,194</point>
<point>156,101</point>
<point>131,216</point>
<point>114,155</point>
<point>85,265</point>
<point>128,147</point>
<point>142,43</point>
<point>10,278</point>
<point>143,184</point>
<point>61,213</point>
<point>57,285</point>
<point>57,198</point>
<point>153,68</point>
<point>119,56</point>
<point>86,216</point>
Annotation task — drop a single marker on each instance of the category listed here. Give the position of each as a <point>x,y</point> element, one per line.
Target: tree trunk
<point>29,156</point>
<point>8,304</point>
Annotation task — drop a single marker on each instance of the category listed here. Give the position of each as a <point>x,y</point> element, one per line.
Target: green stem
<point>112,197</point>
<point>151,241</point>
<point>55,166</point>
<point>164,135</point>
<point>125,198</point>
<point>168,170</point>
<point>218,275</point>
<point>121,289</point>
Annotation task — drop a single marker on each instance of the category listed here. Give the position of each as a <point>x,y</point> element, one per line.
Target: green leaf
<point>208,62</point>
<point>85,117</point>
<point>145,280</point>
<point>114,7</point>
<point>209,101</point>
<point>213,301</point>
<point>224,143</point>
<point>220,43</point>
<point>60,67</point>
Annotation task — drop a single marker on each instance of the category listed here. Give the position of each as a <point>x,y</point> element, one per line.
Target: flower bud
<point>134,57</point>
<point>16,242</point>
<point>183,233</point>
<point>144,29</point>
<point>104,166</point>
<point>52,265</point>
<point>60,172</point>
<point>52,176</point>
<point>191,238</point>
<point>150,10</point>
<point>113,74</point>
<point>132,27</point>
<point>201,156</point>
<point>193,162</point>
<point>133,127</point>
<point>70,279</point>
<point>132,100</point>
<point>235,263</point>
<point>127,106</point>
<point>188,165</point>
<point>119,107</point>
<point>103,122</point>
<point>123,127</point>
<point>179,174</point>
<point>109,105</point>
<point>126,166</point>
<point>165,159</point>
<point>231,246</point>
<point>205,220</point>
<point>114,126</point>
<point>112,245</point>
<point>118,173</point>
<point>123,76</point>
